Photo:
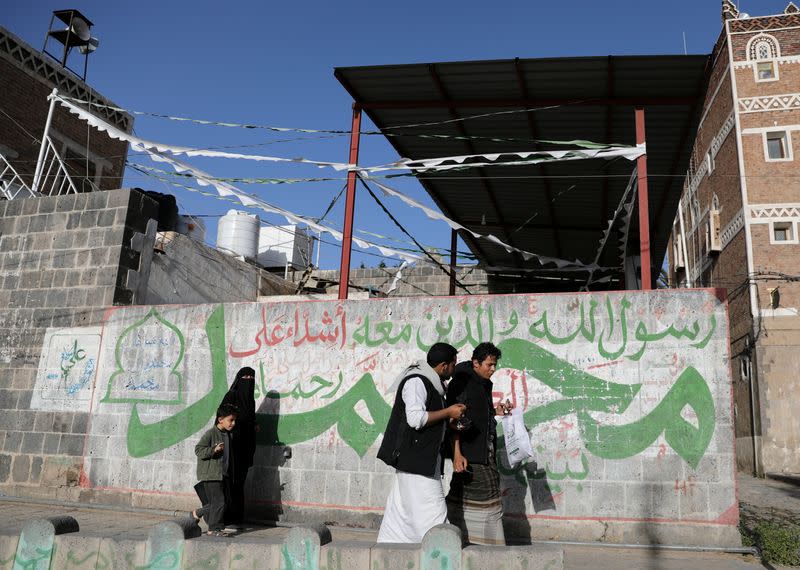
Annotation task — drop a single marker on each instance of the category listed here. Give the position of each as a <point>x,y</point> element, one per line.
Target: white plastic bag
<point>518,442</point>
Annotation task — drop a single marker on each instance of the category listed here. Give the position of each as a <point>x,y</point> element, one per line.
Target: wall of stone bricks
<point>415,281</point>
<point>626,396</point>
<point>63,261</point>
<point>773,192</point>
<point>765,343</point>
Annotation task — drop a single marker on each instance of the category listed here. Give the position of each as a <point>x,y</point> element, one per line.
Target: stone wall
<point>63,261</point>
<point>415,281</point>
<point>626,396</point>
<point>184,270</point>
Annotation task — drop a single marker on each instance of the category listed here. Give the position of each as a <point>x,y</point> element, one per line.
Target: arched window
<point>715,203</point>
<point>763,46</point>
<point>762,50</point>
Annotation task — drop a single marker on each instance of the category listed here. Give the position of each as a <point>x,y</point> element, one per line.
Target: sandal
<point>218,533</point>
<point>194,516</point>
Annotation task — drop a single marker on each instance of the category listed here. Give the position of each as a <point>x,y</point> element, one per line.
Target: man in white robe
<point>413,445</point>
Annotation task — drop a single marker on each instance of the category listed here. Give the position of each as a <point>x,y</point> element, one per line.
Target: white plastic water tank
<point>279,246</point>
<point>193,227</point>
<point>237,233</point>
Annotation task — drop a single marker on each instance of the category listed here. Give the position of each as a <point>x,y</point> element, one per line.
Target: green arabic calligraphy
<point>353,429</point>
<point>381,335</point>
<point>70,358</point>
<point>589,330</point>
<point>584,393</point>
<point>690,442</point>
<point>146,439</point>
<point>483,332</point>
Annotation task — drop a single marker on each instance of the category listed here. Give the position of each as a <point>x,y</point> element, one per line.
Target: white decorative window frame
<point>792,228</point>
<point>776,74</point>
<point>787,137</point>
<point>770,214</point>
<point>774,55</point>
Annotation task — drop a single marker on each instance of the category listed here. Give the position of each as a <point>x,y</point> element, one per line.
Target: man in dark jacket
<point>473,502</point>
<point>412,444</point>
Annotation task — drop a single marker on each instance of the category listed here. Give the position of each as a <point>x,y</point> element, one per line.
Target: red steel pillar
<point>453,244</point>
<point>349,205</point>
<point>644,210</point>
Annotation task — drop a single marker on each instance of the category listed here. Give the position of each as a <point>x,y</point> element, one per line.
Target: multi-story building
<point>93,160</point>
<point>738,222</point>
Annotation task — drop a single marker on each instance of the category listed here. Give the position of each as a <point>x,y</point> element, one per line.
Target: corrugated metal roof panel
<point>567,205</point>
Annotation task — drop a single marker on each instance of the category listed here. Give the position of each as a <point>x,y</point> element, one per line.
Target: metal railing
<point>11,183</point>
<point>52,178</point>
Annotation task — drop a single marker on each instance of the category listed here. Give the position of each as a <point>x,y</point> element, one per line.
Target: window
<point>763,50</point>
<point>782,232</point>
<point>777,146</point>
<point>765,70</point>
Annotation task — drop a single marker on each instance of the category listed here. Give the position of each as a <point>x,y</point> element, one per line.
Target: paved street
<point>755,494</point>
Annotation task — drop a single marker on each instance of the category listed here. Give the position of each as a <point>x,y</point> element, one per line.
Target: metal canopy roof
<point>566,205</point>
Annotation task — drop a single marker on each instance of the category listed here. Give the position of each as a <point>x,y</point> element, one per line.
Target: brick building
<point>94,160</point>
<point>737,225</point>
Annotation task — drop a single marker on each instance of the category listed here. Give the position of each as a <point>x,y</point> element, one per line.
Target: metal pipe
<point>39,165</point>
<point>732,550</point>
<point>689,280</point>
<point>644,209</point>
<point>759,471</point>
<point>349,205</point>
<point>453,245</point>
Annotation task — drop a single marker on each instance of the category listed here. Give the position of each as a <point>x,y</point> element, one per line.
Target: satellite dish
<point>744,16</point>
<point>90,46</point>
<point>80,28</point>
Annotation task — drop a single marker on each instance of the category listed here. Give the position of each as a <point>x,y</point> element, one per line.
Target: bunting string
<point>414,165</point>
<point>341,132</point>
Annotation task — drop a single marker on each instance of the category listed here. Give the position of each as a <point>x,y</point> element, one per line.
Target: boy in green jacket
<point>213,463</point>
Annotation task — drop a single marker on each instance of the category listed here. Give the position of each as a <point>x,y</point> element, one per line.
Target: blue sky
<point>271,63</point>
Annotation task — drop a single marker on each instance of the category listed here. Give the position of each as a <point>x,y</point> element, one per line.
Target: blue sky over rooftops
<point>271,63</point>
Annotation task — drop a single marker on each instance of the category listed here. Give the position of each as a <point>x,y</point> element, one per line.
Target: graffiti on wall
<point>599,377</point>
<point>67,369</point>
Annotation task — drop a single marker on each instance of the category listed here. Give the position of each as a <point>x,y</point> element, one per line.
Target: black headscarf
<point>242,395</point>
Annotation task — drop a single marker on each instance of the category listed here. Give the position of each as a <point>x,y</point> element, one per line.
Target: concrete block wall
<point>63,261</point>
<point>416,281</point>
<point>187,271</point>
<point>626,396</point>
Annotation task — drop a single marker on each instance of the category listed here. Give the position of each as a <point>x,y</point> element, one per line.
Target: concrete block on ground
<point>266,553</point>
<point>301,547</point>
<point>441,548</point>
<point>475,557</point>
<point>78,552</point>
<point>345,555</point>
<point>64,524</point>
<point>121,553</point>
<point>165,545</point>
<point>35,546</point>
<point>8,549</point>
<point>388,556</point>
<point>202,554</point>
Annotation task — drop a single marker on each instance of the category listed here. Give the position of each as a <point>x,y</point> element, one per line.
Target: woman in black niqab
<point>242,395</point>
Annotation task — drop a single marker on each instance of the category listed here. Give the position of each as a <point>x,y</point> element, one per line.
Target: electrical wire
<point>447,271</point>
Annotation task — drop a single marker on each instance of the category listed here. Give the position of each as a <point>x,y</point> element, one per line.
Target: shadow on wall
<point>263,488</point>
<point>516,525</point>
